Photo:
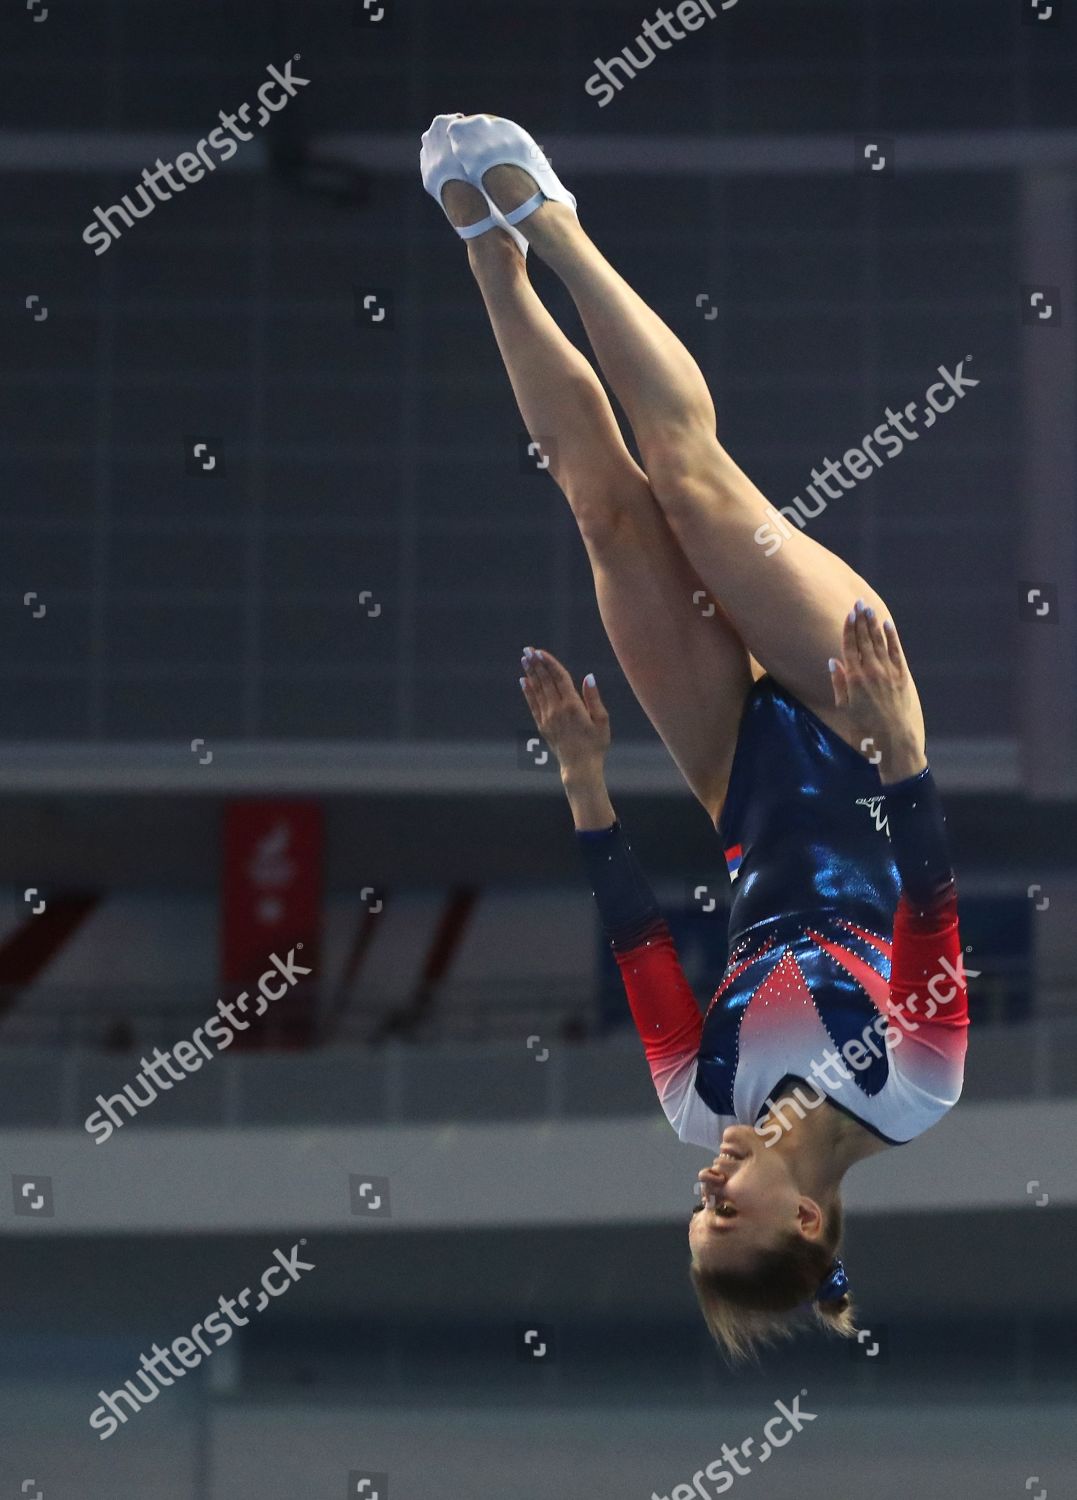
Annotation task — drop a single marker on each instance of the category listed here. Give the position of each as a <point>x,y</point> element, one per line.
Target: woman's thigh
<point>682,655</point>
<point>784,593</point>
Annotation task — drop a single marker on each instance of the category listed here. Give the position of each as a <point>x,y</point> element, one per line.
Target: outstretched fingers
<point>878,645</point>
<point>574,724</point>
<point>864,648</point>
<point>556,683</point>
<point>532,700</point>
<point>534,685</point>
<point>893,646</point>
<point>547,684</point>
<point>871,638</point>
<point>872,658</point>
<point>847,667</point>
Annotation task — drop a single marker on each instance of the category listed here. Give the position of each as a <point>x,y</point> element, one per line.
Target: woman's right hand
<point>575,726</point>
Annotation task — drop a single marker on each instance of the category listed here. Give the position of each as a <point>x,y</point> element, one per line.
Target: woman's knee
<point>604,504</point>
<point>686,471</point>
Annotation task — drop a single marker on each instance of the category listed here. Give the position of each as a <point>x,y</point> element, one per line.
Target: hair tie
<point>834,1285</point>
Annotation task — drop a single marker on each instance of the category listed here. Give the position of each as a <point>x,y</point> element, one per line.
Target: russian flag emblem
<point>733,858</point>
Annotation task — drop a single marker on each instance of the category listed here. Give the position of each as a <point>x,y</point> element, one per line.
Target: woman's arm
<point>929,1002</point>
<point>588,799</point>
<point>928,992</point>
<point>664,1009</point>
<point>872,682</point>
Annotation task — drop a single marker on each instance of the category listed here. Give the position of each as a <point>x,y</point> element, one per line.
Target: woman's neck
<point>822,1143</point>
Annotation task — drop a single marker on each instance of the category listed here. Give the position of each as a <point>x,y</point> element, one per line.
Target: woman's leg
<point>786,603</point>
<point>684,661</point>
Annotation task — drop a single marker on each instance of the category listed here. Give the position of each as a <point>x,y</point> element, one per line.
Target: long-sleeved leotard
<point>826,981</point>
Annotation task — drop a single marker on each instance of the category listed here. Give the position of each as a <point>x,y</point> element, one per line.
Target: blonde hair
<point>748,1309</point>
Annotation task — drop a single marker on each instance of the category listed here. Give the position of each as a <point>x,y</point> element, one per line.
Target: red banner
<point>271,889</point>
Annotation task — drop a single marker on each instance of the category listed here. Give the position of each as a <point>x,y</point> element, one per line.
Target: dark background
<point>356,457</point>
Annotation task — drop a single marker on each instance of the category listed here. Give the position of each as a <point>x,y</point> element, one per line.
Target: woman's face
<point>748,1202</point>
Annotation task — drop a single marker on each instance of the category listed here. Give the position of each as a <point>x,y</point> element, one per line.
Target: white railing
<point>536,1074</point>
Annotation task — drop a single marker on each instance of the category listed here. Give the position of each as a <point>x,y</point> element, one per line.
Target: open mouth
<point>718,1206</point>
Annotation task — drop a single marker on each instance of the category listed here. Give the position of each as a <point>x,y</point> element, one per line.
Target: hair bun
<point>834,1285</point>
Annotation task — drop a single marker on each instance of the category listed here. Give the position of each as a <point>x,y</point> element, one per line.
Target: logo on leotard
<point>733,859</point>
<point>875,807</point>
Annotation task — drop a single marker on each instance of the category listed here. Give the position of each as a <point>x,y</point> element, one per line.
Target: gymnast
<point>838,1029</point>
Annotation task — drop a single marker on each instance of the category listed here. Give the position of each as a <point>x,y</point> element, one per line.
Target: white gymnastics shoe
<point>484,141</point>
<point>438,165</point>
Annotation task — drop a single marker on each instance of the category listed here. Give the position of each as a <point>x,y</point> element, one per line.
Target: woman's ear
<point>810,1219</point>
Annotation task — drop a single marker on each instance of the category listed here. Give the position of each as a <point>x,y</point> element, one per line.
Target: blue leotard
<point>819,854</point>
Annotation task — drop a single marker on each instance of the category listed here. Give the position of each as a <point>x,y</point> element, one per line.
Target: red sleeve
<point>667,1017</point>
<point>928,1001</point>
<point>663,1006</point>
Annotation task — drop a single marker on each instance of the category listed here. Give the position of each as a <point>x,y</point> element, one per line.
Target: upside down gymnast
<point>838,1029</point>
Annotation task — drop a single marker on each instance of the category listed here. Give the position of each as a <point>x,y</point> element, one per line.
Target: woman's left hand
<point>873,682</point>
